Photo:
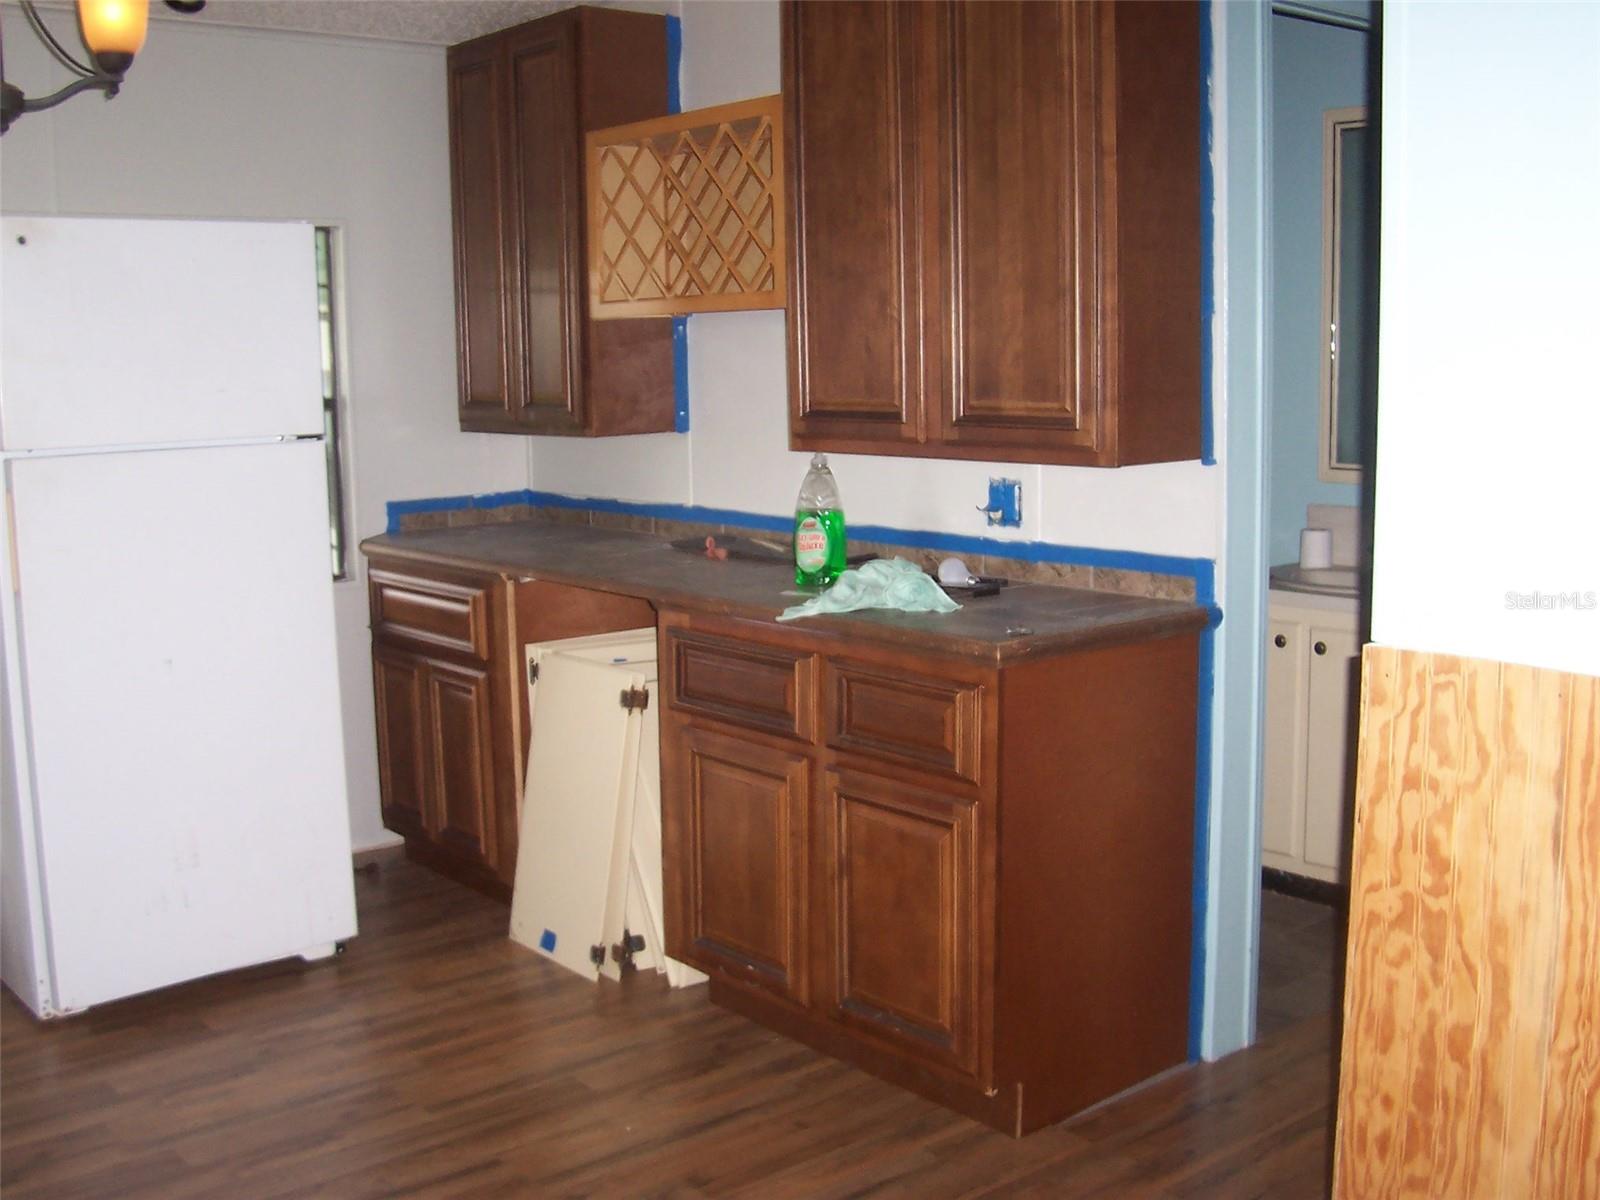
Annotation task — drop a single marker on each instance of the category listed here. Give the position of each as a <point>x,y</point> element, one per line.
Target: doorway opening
<point>1323,122</point>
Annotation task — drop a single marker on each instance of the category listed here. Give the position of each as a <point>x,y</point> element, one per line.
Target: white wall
<point>736,454</point>
<point>215,122</point>
<point>1488,420</point>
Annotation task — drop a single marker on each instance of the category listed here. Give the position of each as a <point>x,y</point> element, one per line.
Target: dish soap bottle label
<point>810,543</point>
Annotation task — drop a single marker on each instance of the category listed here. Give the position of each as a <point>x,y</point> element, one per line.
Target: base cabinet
<point>1308,789</point>
<point>971,879</point>
<point>451,709</point>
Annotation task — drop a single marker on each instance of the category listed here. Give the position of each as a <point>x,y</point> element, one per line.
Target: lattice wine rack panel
<point>686,212</point>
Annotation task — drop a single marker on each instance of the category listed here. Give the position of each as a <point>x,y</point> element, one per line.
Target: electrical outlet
<point>1005,502</point>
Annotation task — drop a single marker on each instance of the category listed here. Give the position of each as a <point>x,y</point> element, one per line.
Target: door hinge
<point>533,672</point>
<point>622,952</point>
<point>636,698</point>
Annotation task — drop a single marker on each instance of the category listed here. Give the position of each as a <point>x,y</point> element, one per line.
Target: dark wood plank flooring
<point>1302,961</point>
<point>438,1059</point>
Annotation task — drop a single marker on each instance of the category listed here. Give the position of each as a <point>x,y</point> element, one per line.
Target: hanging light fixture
<point>112,32</point>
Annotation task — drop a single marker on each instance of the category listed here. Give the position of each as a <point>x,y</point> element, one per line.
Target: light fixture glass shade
<point>114,27</point>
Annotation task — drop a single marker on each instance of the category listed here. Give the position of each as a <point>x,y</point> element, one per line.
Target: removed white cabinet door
<point>588,877</point>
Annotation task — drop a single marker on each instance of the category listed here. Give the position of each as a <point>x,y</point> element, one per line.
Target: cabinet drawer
<point>452,616</point>
<point>745,683</point>
<point>934,724</point>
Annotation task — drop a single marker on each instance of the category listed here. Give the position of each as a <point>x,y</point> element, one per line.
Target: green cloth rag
<point>881,583</point>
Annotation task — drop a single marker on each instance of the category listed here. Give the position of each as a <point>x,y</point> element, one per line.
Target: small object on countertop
<point>954,572</point>
<point>715,551</point>
<point>819,538</point>
<point>954,575</point>
<point>882,583</point>
<point>1316,549</point>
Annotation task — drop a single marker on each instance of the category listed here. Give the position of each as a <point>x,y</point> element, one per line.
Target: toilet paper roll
<point>1316,549</point>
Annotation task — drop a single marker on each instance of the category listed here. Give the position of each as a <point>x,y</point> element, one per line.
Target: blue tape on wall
<point>680,373</point>
<point>674,63</point>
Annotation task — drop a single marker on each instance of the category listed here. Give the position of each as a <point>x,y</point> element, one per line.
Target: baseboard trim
<point>1303,887</point>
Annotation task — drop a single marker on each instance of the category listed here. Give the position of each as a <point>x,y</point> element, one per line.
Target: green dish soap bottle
<point>818,528</point>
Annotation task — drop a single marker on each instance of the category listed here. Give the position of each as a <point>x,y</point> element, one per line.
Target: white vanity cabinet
<point>1313,661</point>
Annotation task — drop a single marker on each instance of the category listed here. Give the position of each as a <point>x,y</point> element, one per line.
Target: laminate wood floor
<point>438,1059</point>
<point>1302,961</point>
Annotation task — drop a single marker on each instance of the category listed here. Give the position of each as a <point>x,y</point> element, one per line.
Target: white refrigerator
<point>173,773</point>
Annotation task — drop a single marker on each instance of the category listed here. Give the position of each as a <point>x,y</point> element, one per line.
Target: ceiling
<point>430,22</point>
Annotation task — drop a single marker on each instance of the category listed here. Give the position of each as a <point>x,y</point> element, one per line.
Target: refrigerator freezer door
<point>139,332</point>
<point>177,637</point>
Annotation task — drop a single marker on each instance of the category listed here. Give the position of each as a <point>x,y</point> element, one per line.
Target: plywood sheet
<point>1471,1053</point>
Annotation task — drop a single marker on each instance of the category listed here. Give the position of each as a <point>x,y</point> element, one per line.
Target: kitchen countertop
<point>1023,621</point>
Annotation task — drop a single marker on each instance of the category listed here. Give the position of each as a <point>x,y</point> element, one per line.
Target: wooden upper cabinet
<point>850,109</point>
<point>995,230</point>
<point>547,214</point>
<point>483,288</point>
<point>1022,335</point>
<point>520,102</point>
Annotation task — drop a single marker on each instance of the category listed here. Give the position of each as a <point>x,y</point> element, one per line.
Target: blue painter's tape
<point>680,373</point>
<point>1208,234</point>
<point>547,942</point>
<point>500,499</point>
<point>674,63</point>
<point>1005,502</point>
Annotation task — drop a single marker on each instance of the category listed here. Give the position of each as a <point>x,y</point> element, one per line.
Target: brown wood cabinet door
<point>735,824</point>
<point>1020,224</point>
<point>485,309</point>
<point>547,209</point>
<point>461,758</point>
<point>900,897</point>
<point>397,679</point>
<point>851,111</point>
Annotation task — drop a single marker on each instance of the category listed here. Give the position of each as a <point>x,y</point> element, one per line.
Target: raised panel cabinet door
<point>485,311</point>
<point>397,687</point>
<point>902,902</point>
<point>735,862</point>
<point>461,759</point>
<point>850,92</point>
<point>1283,783</point>
<point>1332,697</point>
<point>1020,222</point>
<point>547,209</point>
